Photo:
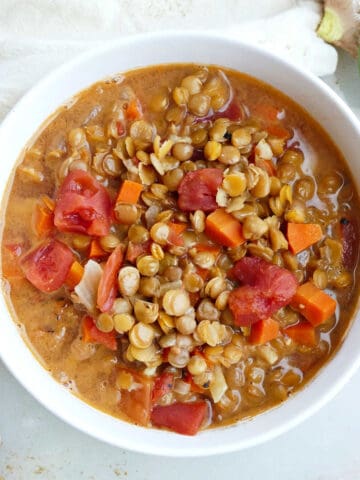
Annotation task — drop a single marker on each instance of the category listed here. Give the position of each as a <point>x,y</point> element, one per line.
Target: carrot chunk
<point>223,228</point>
<point>302,235</point>
<point>314,304</point>
<point>42,220</point>
<point>96,251</point>
<point>263,331</point>
<point>129,192</point>
<point>175,235</point>
<point>75,275</point>
<point>303,333</point>
<point>134,110</point>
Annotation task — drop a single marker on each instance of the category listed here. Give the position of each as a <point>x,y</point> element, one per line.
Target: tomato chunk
<point>163,384</point>
<point>197,190</point>
<point>48,265</point>
<point>185,418</point>
<point>136,402</point>
<point>107,286</point>
<point>83,205</point>
<point>267,288</point>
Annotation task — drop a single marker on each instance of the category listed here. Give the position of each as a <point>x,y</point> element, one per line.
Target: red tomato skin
<point>162,385</point>
<point>107,287</point>
<point>47,265</point>
<point>267,288</point>
<point>83,205</point>
<point>184,418</point>
<point>197,190</point>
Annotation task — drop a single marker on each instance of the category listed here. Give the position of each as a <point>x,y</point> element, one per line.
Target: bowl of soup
<point>179,248</point>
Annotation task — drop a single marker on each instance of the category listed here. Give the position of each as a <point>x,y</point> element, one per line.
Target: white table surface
<point>37,445</point>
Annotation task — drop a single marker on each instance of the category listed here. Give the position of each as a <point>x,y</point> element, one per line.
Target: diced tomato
<point>83,205</point>
<point>107,286</point>
<point>91,334</point>
<point>136,402</point>
<point>163,384</point>
<point>267,288</point>
<point>47,265</point>
<point>350,244</point>
<point>197,190</point>
<point>184,418</point>
<point>134,250</point>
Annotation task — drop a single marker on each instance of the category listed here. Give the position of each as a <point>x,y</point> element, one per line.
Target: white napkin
<point>38,35</point>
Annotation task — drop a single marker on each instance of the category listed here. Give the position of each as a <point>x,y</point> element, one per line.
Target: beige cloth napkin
<point>38,35</point>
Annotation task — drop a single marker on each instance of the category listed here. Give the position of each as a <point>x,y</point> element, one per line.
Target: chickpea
<point>197,365</point>
<point>212,150</point>
<point>109,242</point>
<point>121,305</point>
<point>159,233</point>
<point>146,312</point>
<point>241,137</point>
<point>304,188</point>
<point>138,234</point>
<point>149,287</point>
<point>104,322</point>
<point>181,95</point>
<point>206,310</point>
<point>186,324</point>
<point>229,155</point>
<point>254,228</point>
<point>148,265</point>
<point>160,101</point>
<point>126,213</point>
<point>173,178</point>
<point>128,281</point>
<point>178,357</point>
<point>192,83</point>
<point>176,302</point>
<point>199,104</point>
<point>183,151</point>
<point>123,322</point>
<point>193,282</point>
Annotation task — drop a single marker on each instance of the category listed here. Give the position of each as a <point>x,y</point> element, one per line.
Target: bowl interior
<point>167,47</point>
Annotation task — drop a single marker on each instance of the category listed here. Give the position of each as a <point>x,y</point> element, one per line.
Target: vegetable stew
<point>181,246</point>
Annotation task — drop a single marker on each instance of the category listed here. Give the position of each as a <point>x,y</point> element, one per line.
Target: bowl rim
<point>163,445</point>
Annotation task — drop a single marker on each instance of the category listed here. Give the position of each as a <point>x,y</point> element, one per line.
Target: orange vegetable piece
<point>302,235</point>
<point>223,228</point>
<point>96,251</point>
<point>134,110</point>
<point>263,331</point>
<point>134,250</point>
<point>129,192</point>
<point>265,112</point>
<point>266,165</point>
<point>303,333</point>
<point>278,131</point>
<point>136,403</point>
<point>91,334</point>
<point>175,237</point>
<point>42,220</point>
<point>314,304</point>
<point>206,247</point>
<point>75,275</point>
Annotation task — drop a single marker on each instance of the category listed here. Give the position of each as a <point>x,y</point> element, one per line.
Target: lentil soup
<point>180,246</point>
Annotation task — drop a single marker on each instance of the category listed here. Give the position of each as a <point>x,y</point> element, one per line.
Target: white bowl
<point>168,47</point>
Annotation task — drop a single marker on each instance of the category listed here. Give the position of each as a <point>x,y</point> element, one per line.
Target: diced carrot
<point>206,247</point>
<point>223,228</point>
<point>175,234</point>
<point>42,220</point>
<point>96,251</point>
<point>302,235</point>
<point>75,275</point>
<point>129,192</point>
<point>314,304</point>
<point>278,131</point>
<point>134,110</point>
<point>263,331</point>
<point>136,402</point>
<point>265,112</point>
<point>91,334</point>
<point>303,333</point>
<point>266,165</point>
<point>134,250</point>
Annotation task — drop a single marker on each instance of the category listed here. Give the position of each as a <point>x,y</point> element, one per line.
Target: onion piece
<point>218,385</point>
<point>87,289</point>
